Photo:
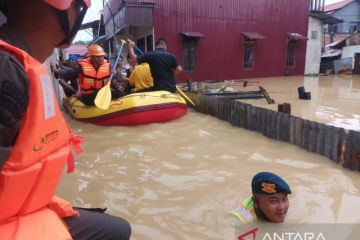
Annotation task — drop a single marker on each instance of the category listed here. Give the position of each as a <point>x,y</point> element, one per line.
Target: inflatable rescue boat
<point>133,109</point>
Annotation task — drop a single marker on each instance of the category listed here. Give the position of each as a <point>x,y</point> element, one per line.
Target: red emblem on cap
<point>268,187</point>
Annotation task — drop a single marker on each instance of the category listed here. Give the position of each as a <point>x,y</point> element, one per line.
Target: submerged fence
<point>339,145</point>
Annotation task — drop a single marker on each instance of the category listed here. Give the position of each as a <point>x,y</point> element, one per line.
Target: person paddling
<point>163,66</point>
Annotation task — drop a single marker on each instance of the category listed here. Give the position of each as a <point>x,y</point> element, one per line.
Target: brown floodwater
<point>178,180</point>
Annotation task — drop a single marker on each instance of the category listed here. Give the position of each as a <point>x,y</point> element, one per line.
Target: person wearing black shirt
<point>163,66</point>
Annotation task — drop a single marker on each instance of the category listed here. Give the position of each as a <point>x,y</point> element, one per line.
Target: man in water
<point>269,200</point>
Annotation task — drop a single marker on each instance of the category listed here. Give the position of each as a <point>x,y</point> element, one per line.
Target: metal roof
<point>336,6</point>
<point>325,18</point>
<point>296,36</point>
<point>253,35</point>
<point>193,34</point>
<point>331,53</point>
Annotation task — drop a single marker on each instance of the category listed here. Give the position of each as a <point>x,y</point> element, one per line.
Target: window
<point>290,57</point>
<point>248,55</point>
<point>189,46</point>
<point>334,29</point>
<point>314,34</point>
<point>149,43</point>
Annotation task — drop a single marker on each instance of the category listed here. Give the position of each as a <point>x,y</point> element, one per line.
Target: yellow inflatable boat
<point>133,109</point>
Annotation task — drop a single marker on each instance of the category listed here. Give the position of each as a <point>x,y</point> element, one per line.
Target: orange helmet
<point>64,4</point>
<point>95,50</point>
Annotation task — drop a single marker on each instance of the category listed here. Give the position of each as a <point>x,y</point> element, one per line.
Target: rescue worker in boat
<point>35,141</point>
<point>93,73</point>
<point>70,86</point>
<point>163,66</point>
<point>269,200</point>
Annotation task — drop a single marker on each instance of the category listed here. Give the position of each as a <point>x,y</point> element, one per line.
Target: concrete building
<point>313,49</point>
<point>349,12</point>
<point>317,20</point>
<point>350,55</point>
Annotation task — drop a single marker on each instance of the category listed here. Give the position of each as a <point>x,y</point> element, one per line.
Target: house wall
<point>219,55</point>
<point>349,13</point>
<point>349,52</point>
<point>313,50</point>
<point>336,38</point>
<point>53,59</point>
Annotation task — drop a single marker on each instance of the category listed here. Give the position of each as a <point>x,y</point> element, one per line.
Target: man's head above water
<point>270,197</point>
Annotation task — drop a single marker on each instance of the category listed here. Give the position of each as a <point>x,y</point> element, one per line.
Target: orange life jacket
<point>91,80</point>
<point>28,179</point>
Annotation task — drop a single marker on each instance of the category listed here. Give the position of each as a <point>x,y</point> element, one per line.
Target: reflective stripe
<point>238,216</point>
<point>92,80</point>
<point>245,213</point>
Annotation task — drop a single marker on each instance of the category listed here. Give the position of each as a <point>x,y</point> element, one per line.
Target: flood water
<point>178,180</point>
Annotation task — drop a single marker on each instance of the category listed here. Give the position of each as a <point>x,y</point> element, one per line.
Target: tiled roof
<point>336,6</point>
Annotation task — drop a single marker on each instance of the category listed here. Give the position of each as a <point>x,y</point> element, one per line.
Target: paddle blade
<point>187,99</point>
<point>103,97</point>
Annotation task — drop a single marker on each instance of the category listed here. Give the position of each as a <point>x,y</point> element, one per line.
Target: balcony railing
<point>317,5</point>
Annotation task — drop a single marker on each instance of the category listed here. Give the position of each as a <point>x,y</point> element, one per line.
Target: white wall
<point>54,59</point>
<point>313,50</point>
<point>350,52</point>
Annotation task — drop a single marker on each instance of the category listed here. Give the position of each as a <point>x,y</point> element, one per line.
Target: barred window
<point>290,57</point>
<point>189,51</point>
<point>248,55</point>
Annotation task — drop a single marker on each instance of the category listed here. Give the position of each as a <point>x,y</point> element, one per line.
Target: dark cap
<point>269,183</point>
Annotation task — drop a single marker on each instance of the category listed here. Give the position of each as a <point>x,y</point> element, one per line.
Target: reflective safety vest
<point>28,208</point>
<point>91,80</point>
<point>245,213</point>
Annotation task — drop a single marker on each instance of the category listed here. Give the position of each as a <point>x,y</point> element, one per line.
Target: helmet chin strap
<point>64,22</point>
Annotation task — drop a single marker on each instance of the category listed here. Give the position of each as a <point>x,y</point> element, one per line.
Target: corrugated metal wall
<point>220,54</point>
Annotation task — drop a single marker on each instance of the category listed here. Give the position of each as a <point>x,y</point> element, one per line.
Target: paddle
<point>177,88</point>
<point>185,96</point>
<point>103,97</point>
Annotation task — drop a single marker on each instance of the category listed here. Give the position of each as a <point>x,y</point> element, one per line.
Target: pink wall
<point>220,53</point>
